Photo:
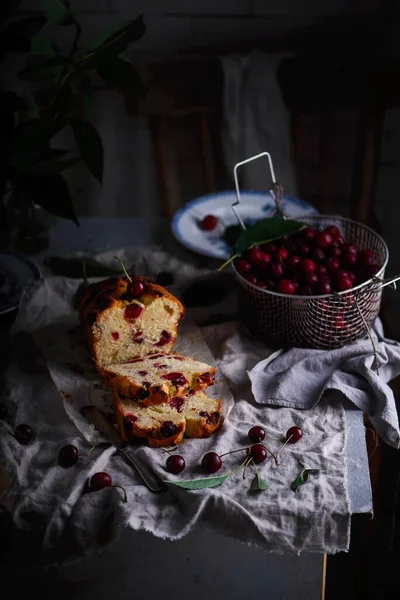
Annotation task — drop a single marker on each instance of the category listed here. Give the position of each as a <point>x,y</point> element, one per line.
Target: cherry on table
<point>23,434</point>
<point>68,456</point>
<point>258,453</point>
<point>175,464</point>
<point>211,462</point>
<point>100,480</point>
<point>293,435</point>
<point>208,223</point>
<point>256,434</point>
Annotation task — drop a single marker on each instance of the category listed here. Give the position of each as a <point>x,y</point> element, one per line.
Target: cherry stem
<point>232,452</point>
<point>272,454</point>
<point>283,445</point>
<point>169,451</point>
<point>123,489</point>
<point>84,274</point>
<point>123,267</point>
<point>246,464</point>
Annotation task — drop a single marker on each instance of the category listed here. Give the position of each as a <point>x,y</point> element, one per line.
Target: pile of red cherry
<point>308,263</point>
<point>212,462</point>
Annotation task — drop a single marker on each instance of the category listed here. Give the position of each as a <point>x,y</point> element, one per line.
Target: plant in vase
<point>60,85</point>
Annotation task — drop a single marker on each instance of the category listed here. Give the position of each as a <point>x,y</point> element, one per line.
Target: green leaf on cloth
<point>259,484</point>
<point>199,484</point>
<point>302,478</point>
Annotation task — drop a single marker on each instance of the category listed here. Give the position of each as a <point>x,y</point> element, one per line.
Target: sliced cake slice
<point>195,416</point>
<point>125,319</point>
<point>157,378</point>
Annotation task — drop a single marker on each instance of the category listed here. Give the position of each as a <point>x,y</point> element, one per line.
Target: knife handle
<point>152,480</point>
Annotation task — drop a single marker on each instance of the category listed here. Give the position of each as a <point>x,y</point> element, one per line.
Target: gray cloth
<point>299,377</point>
<point>53,503</point>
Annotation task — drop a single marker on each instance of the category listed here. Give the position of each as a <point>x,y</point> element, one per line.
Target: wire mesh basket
<point>325,321</point>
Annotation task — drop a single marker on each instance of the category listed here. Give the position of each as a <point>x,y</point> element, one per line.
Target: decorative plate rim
<point>205,197</point>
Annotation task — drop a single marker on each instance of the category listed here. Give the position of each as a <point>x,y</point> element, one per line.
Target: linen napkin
<point>299,377</point>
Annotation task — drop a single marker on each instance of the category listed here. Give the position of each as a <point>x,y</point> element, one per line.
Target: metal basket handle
<point>276,191</point>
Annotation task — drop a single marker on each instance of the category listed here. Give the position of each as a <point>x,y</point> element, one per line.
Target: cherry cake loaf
<point>195,416</point>
<point>157,378</point>
<point>124,319</point>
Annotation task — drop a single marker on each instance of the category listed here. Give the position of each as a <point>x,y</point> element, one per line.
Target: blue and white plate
<point>253,207</point>
<point>16,270</point>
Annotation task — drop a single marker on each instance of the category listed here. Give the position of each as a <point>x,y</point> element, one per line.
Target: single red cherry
<point>252,279</point>
<point>293,261</point>
<point>175,464</point>
<point>295,434</point>
<point>350,259</point>
<point>334,252</point>
<point>320,270</point>
<point>3,411</point>
<point>338,241</point>
<point>133,311</point>
<point>100,480</point>
<point>323,239</point>
<point>256,434</point>
<point>332,265</point>
<point>242,266</point>
<point>343,281</point>
<point>256,256</point>
<point>333,231</point>
<point>165,338</point>
<point>176,379</point>
<point>68,456</point>
<point>276,270</point>
<point>366,260</point>
<point>308,233</point>
<point>304,250</point>
<point>270,247</point>
<point>324,287</point>
<point>211,462</point>
<point>208,223</point>
<point>286,286</point>
<point>310,278</point>
<point>318,255</point>
<point>281,254</point>
<point>258,453</point>
<point>352,248</point>
<point>23,434</point>
<point>307,265</point>
<point>136,288</point>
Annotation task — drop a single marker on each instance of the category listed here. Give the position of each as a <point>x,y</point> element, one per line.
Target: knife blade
<point>97,417</point>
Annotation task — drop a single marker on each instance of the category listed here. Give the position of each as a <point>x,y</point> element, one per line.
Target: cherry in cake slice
<point>158,378</point>
<point>195,416</point>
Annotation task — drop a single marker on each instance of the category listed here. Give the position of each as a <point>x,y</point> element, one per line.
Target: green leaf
<point>121,74</point>
<point>259,484</point>
<point>199,484</point>
<point>52,194</point>
<point>266,230</point>
<point>42,45</point>
<point>113,41</point>
<point>48,167</point>
<point>90,146</point>
<point>57,12</point>
<point>301,479</point>
<point>42,66</point>
<point>32,137</point>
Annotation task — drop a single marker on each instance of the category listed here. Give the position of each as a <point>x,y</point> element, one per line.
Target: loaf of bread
<point>195,416</point>
<point>157,378</point>
<point>126,319</point>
